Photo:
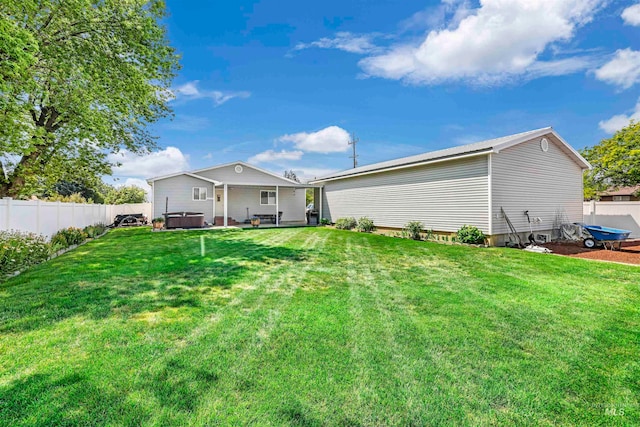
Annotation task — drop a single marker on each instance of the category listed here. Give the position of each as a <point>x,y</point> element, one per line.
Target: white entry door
<point>219,202</point>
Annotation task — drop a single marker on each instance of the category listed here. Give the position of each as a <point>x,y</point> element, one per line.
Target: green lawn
<point>317,327</point>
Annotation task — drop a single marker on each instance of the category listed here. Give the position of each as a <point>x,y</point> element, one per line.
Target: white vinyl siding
<point>443,196</point>
<point>547,184</point>
<point>267,198</point>
<point>176,192</point>
<point>244,202</point>
<point>199,193</point>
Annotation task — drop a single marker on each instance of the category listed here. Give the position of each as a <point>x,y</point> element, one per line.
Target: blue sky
<point>282,83</point>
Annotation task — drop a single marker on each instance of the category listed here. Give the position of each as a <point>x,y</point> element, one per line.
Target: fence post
<point>8,213</point>
<point>592,213</point>
<point>38,216</point>
<point>58,215</point>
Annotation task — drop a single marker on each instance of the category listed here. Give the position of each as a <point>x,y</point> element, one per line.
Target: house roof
<point>158,178</point>
<point>244,164</point>
<point>479,148</point>
<point>621,191</point>
<point>194,174</point>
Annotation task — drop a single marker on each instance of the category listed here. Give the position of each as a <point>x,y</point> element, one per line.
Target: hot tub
<point>184,220</point>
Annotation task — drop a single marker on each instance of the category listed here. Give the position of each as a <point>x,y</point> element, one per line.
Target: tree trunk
<point>47,119</point>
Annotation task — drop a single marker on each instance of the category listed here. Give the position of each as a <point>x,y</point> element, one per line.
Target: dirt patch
<point>629,252</point>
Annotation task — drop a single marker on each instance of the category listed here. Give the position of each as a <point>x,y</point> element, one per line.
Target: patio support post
<point>277,207</point>
<point>214,205</point>
<point>226,222</point>
<point>320,203</point>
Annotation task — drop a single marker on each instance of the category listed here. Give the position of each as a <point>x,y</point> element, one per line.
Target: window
<point>621,198</point>
<point>199,193</point>
<point>267,197</point>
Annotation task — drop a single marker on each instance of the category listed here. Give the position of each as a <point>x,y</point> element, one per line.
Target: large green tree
<point>615,161</point>
<point>82,79</point>
<point>125,194</point>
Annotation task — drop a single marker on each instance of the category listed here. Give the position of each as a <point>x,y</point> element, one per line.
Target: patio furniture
<point>184,220</point>
<point>269,217</point>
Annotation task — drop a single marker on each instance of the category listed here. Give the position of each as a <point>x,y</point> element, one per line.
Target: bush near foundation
<point>365,225</point>
<point>412,230</point>
<point>470,234</point>
<point>346,223</point>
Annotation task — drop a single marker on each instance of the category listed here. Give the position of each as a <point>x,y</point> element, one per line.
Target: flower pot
<point>158,225</point>
<point>255,222</point>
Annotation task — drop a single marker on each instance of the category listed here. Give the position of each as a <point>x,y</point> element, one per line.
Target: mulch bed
<point>629,253</point>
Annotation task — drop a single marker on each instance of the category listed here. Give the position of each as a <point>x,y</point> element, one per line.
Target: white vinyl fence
<point>48,217</point>
<point>624,215</point>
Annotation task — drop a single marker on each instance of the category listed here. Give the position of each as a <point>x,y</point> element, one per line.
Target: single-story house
<point>535,171</point>
<point>229,194</point>
<point>621,194</point>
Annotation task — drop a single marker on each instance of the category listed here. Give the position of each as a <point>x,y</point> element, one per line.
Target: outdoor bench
<point>270,217</point>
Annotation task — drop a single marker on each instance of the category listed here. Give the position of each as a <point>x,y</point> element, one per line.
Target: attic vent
<point>544,145</point>
<point>238,169</point>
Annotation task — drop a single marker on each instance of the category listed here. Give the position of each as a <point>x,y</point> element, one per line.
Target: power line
<point>353,143</point>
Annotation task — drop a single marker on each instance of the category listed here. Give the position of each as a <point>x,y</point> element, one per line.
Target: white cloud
<point>157,163</point>
<point>332,139</point>
<point>190,91</point>
<point>623,70</point>
<point>271,156</point>
<point>619,121</point>
<point>497,42</point>
<point>447,14</point>
<point>631,15</point>
<point>345,41</point>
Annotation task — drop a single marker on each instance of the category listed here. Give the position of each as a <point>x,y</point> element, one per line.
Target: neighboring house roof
<point>621,191</point>
<point>158,178</point>
<point>484,147</point>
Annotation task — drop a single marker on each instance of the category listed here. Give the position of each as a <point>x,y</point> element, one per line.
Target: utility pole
<point>353,143</point>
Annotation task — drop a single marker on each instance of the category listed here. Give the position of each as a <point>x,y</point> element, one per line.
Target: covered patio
<point>276,205</point>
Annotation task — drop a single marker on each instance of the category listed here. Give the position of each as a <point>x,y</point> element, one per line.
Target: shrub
<point>158,219</point>
<point>346,223</point>
<point>20,250</point>
<point>365,225</point>
<point>325,221</point>
<point>470,234</point>
<point>412,229</point>
<point>67,237</point>
<point>95,230</point>
<point>429,234</point>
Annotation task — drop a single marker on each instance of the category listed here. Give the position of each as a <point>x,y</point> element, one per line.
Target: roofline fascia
<point>408,165</point>
<point>542,132</point>
<point>262,184</point>
<point>213,181</point>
